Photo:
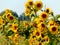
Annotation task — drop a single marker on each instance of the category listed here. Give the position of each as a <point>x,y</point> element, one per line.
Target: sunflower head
<point>51,23</point>
<point>41,25</point>
<point>47,39</point>
<point>14,27</point>
<point>43,15</point>
<point>29,3</point>
<point>37,33</point>
<point>7,15</point>
<point>39,43</point>
<point>38,20</point>
<point>2,22</point>
<point>7,11</point>
<point>53,29</point>
<point>27,11</point>
<point>48,10</point>
<point>38,5</point>
<point>11,18</point>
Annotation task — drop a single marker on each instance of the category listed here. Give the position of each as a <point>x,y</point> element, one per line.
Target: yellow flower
<point>31,40</point>
<point>42,27</point>
<point>29,3</point>
<point>37,33</point>
<point>2,22</point>
<point>47,39</point>
<point>39,43</point>
<point>27,11</point>
<point>7,11</point>
<point>14,27</point>
<point>53,29</point>
<point>15,40</point>
<point>38,20</point>
<point>38,5</point>
<point>8,15</point>
<point>48,10</point>
<point>51,23</point>
<point>11,18</point>
<point>43,15</point>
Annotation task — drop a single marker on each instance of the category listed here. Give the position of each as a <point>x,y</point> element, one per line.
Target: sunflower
<point>47,39</point>
<point>2,22</point>
<point>31,40</point>
<point>39,43</point>
<point>42,27</point>
<point>29,3</point>
<point>7,11</point>
<point>53,29</point>
<point>7,15</point>
<point>48,10</point>
<point>51,23</point>
<point>38,20</point>
<point>37,33</point>
<point>43,15</point>
<point>27,11</point>
<point>14,27</point>
<point>38,5</point>
<point>11,18</point>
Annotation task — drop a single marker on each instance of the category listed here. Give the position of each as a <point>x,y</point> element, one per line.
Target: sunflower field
<point>35,26</point>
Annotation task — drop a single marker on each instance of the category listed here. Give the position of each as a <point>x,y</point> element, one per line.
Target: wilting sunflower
<point>14,27</point>
<point>27,11</point>
<point>29,3</point>
<point>38,5</point>
<point>53,29</point>
<point>43,15</point>
<point>39,43</point>
<point>47,39</point>
<point>48,10</point>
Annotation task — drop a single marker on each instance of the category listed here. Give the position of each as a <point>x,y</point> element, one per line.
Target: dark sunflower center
<point>38,5</point>
<point>3,21</point>
<point>43,25</point>
<point>15,27</point>
<point>10,25</point>
<point>30,3</point>
<point>42,35</point>
<point>54,29</point>
<point>44,16</point>
<point>40,44</point>
<point>47,10</point>
<point>11,18</point>
<point>8,15</point>
<point>46,39</point>
<point>41,21</point>
<point>37,33</point>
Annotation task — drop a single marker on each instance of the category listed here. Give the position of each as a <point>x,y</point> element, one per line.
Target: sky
<point>18,5</point>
